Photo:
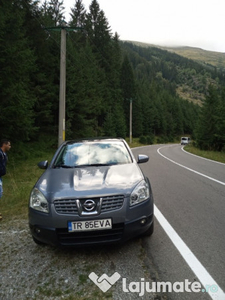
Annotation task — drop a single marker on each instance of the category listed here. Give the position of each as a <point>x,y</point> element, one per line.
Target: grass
<point>135,142</point>
<point>22,173</point>
<point>207,57</point>
<point>213,155</point>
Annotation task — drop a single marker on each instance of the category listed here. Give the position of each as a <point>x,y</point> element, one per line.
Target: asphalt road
<point>190,193</point>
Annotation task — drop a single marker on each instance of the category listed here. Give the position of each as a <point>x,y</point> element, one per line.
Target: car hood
<point>89,181</point>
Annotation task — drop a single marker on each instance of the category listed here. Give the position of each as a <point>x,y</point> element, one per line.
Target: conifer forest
<point>103,76</point>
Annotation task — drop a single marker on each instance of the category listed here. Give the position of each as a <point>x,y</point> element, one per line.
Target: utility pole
<point>131,120</point>
<point>62,87</point>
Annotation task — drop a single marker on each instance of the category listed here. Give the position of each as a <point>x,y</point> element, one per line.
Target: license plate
<point>90,225</point>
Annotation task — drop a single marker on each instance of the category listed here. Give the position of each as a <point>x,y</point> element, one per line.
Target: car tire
<point>38,242</point>
<point>150,230</point>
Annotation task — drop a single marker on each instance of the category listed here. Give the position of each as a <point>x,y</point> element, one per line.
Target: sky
<point>194,23</point>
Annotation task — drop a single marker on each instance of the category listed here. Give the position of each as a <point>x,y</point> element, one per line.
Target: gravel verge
<point>30,271</point>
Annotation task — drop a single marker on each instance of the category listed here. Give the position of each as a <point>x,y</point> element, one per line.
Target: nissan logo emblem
<point>89,205</point>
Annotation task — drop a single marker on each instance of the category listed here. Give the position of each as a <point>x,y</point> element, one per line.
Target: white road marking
<point>199,270</point>
<point>201,174</point>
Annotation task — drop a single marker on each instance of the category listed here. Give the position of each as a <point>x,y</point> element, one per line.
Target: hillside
<point>191,69</point>
<point>212,58</point>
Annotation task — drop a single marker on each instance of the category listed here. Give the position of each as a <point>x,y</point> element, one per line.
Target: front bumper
<point>126,224</point>
<point>119,233</point>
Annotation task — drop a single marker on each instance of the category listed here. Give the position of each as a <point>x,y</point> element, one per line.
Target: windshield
<point>93,154</point>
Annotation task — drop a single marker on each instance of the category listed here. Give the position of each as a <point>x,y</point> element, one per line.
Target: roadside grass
<point>135,142</point>
<point>22,173</point>
<point>213,155</point>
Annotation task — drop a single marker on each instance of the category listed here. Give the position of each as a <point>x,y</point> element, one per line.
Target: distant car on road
<point>92,192</point>
<point>185,140</point>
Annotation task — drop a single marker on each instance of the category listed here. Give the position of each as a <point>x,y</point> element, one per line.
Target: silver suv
<point>92,192</point>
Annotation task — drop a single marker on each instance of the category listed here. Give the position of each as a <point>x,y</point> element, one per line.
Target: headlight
<point>38,201</point>
<point>140,193</point>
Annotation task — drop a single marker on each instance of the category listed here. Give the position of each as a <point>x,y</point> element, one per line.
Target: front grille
<point>66,206</point>
<point>69,206</point>
<point>112,202</point>
<point>90,237</point>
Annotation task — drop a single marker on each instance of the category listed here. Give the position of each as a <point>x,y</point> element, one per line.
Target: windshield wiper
<point>93,165</point>
<point>64,166</point>
<point>85,165</point>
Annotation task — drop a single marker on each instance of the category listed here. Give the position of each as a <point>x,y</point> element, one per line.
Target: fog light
<point>37,230</point>
<point>143,221</point>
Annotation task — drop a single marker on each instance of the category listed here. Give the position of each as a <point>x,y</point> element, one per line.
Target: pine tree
<point>17,65</point>
<point>128,87</point>
<point>220,123</point>
<point>109,125</point>
<point>47,49</point>
<point>99,34</point>
<point>78,14</point>
<point>208,121</point>
<point>84,92</point>
<point>56,10</point>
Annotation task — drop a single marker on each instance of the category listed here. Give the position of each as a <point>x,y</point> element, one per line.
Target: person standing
<point>5,146</point>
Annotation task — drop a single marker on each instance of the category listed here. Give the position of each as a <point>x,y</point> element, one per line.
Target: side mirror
<point>142,158</point>
<point>43,164</point>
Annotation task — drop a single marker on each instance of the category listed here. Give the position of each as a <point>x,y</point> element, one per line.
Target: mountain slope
<point>189,77</point>
<point>213,58</point>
